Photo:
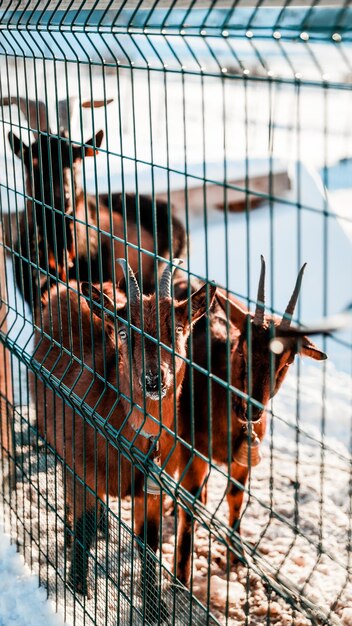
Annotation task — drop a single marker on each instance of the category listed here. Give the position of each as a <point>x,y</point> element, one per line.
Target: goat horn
<point>258,319</point>
<point>135,293</point>
<point>67,108</point>
<point>95,104</point>
<point>29,109</point>
<point>165,280</point>
<point>287,317</point>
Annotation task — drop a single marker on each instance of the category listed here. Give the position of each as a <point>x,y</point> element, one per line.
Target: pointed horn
<point>135,293</point>
<point>165,280</point>
<point>29,109</point>
<point>287,317</point>
<point>95,104</point>
<point>258,319</point>
<point>67,109</point>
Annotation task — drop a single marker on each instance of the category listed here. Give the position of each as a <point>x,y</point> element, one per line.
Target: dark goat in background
<point>46,238</point>
<point>254,372</point>
<point>63,229</point>
<point>129,361</point>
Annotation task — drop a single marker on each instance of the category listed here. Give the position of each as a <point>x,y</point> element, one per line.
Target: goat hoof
<point>80,586</point>
<point>68,538</point>
<point>103,526</point>
<point>238,557</point>
<point>183,573</point>
<point>183,579</point>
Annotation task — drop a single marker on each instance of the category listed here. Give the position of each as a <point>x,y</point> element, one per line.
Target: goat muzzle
<point>154,385</point>
<point>154,393</point>
<point>157,383</point>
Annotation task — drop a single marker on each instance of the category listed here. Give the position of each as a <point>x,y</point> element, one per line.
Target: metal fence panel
<point>167,169</point>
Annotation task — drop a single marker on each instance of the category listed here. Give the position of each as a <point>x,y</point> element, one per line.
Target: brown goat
<point>113,381</point>
<point>255,374</point>
<point>63,229</point>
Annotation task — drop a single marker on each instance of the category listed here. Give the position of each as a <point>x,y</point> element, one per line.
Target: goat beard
<point>156,395</point>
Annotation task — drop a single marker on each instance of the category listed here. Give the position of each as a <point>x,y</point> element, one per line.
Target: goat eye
<point>123,335</point>
<point>179,329</point>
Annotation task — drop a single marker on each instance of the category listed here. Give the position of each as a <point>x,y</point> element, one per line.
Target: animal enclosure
<point>175,218</point>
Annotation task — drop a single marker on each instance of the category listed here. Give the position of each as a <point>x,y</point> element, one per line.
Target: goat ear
<point>308,348</point>
<point>90,150</point>
<point>96,299</point>
<point>238,316</point>
<point>18,147</point>
<point>199,302</point>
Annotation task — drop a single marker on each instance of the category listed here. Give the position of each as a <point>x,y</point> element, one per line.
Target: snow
<point>22,601</point>
<point>305,388</point>
<point>221,589</point>
<point>347,616</point>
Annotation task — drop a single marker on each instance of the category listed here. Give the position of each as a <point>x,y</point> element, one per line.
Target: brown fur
<point>77,327</point>
<point>217,448</point>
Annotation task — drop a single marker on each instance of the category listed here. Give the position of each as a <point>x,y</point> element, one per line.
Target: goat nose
<point>152,381</point>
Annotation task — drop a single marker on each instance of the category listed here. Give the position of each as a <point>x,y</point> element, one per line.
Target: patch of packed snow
<point>22,601</point>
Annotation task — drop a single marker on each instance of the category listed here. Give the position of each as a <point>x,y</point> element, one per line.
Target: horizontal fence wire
<point>174,448</point>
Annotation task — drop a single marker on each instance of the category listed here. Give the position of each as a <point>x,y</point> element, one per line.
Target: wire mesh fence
<point>167,170</point>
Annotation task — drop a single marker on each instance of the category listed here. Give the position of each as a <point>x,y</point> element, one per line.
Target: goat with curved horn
<point>258,319</point>
<point>287,317</point>
<point>165,280</point>
<point>37,109</point>
<point>135,293</point>
<point>67,109</point>
<point>99,468</point>
<point>253,371</point>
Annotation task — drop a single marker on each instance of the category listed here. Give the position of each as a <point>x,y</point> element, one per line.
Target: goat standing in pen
<point>254,374</point>
<point>64,230</point>
<point>115,369</point>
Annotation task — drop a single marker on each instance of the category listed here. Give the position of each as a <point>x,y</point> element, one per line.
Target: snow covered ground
<point>22,601</point>
<point>307,484</point>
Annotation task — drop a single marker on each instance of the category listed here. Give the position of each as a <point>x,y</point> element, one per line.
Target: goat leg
<point>103,522</point>
<point>194,482</point>
<point>68,526</point>
<point>235,495</point>
<point>155,609</point>
<point>85,530</point>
